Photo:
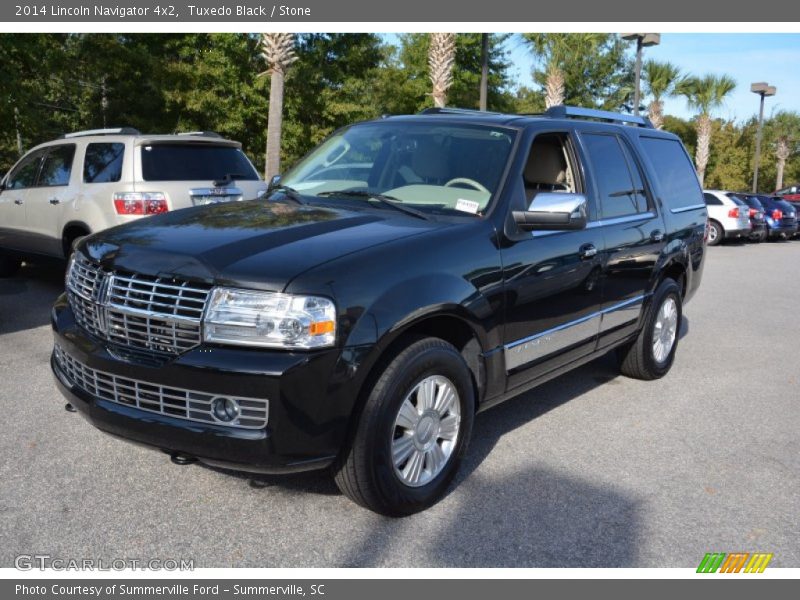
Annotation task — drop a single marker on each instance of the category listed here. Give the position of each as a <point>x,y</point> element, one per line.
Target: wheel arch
<point>71,231</point>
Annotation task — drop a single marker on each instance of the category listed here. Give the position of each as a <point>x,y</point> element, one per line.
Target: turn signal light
<point>321,327</point>
<point>140,203</point>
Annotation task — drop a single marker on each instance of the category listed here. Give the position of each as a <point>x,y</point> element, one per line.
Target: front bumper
<point>307,417</point>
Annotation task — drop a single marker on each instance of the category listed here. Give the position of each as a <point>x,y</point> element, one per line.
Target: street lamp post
<point>643,40</point>
<point>762,89</point>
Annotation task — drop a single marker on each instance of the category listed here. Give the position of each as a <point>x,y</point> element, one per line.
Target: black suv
<point>409,272</point>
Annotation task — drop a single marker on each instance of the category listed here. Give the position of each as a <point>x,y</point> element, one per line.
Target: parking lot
<point>589,470</point>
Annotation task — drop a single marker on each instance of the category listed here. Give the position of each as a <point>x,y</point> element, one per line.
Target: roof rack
<point>456,111</point>
<point>576,112</point>
<point>212,134</point>
<point>115,131</point>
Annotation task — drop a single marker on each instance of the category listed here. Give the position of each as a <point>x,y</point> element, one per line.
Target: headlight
<point>70,266</point>
<point>269,319</point>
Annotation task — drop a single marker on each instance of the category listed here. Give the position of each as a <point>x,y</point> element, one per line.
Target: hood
<point>259,244</point>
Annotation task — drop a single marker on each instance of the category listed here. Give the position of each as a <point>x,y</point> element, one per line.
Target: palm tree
<point>705,94</point>
<point>277,49</point>
<point>441,58</point>
<point>784,129</point>
<point>555,49</point>
<point>660,81</point>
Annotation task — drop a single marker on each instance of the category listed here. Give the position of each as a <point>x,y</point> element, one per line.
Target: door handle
<point>587,251</point>
<point>657,236</point>
<point>55,201</point>
<point>18,202</point>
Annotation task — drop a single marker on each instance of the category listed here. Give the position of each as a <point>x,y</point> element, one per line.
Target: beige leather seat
<point>546,170</point>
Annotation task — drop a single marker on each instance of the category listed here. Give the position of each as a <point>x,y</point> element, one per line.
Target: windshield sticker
<point>468,206</point>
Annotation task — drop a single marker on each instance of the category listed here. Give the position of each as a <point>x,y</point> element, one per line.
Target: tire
<point>9,265</point>
<point>644,359</point>
<point>715,233</point>
<point>367,472</point>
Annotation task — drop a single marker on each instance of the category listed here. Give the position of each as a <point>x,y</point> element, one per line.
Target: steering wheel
<point>467,181</point>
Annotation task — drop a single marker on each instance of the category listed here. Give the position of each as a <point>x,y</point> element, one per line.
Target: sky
<point>774,58</point>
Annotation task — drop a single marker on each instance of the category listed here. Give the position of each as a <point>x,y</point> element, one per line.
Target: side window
<point>24,175</point>
<point>57,166</point>
<point>711,200</point>
<point>549,167</point>
<point>673,171</point>
<point>619,194</point>
<point>103,162</point>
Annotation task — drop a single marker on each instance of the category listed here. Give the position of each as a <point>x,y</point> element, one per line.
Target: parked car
<point>758,223</point>
<point>792,196</point>
<point>87,181</point>
<point>359,322</point>
<point>727,219</point>
<point>780,215</point>
<point>791,193</point>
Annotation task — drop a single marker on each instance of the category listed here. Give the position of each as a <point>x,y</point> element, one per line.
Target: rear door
<point>13,223</point>
<point>196,172</point>
<point>46,202</point>
<point>632,230</point>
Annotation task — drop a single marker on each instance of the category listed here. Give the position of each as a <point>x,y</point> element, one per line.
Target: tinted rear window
<point>103,162</point>
<point>194,162</point>
<point>674,172</point>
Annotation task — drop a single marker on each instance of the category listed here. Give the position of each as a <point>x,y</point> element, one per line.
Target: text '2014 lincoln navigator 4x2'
<point>408,273</point>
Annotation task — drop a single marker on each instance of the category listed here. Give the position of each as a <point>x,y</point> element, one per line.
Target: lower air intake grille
<point>170,401</point>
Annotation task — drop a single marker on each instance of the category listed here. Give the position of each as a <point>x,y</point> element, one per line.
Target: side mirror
<point>273,182</point>
<point>553,211</point>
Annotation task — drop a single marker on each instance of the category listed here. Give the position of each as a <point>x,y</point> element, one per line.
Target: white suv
<point>728,218</point>
<point>91,180</point>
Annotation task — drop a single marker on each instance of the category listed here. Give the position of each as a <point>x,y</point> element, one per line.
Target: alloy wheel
<point>665,329</point>
<point>426,430</point>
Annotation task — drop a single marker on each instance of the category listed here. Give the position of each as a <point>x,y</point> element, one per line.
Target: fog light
<point>225,409</point>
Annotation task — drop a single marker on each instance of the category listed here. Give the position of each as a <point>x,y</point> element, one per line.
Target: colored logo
<point>735,562</point>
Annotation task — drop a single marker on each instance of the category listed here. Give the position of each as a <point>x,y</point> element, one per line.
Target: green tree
<point>333,83</point>
<point>782,132</point>
<point>404,87</point>
<point>728,168</point>
<point>660,81</point>
<point>583,69</point>
<point>705,94</point>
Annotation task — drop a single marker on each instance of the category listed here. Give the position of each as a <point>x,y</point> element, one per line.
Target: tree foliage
<point>595,67</point>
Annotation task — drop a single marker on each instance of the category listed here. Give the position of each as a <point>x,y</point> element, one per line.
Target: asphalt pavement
<point>589,470</point>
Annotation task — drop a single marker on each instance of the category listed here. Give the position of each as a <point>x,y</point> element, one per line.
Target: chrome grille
<point>174,402</point>
<point>157,314</point>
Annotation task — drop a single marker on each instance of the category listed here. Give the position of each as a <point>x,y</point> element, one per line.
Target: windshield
<point>432,167</point>
<point>195,162</point>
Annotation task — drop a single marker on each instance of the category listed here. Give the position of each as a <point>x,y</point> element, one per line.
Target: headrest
<point>546,164</point>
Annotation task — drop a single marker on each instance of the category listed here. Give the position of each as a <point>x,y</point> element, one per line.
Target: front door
<point>552,279</point>
<point>13,198</point>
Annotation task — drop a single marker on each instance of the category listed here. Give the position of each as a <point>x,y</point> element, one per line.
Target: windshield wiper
<point>290,193</point>
<point>382,198</point>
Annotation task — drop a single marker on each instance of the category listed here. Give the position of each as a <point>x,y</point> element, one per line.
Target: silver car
<point>726,218</point>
